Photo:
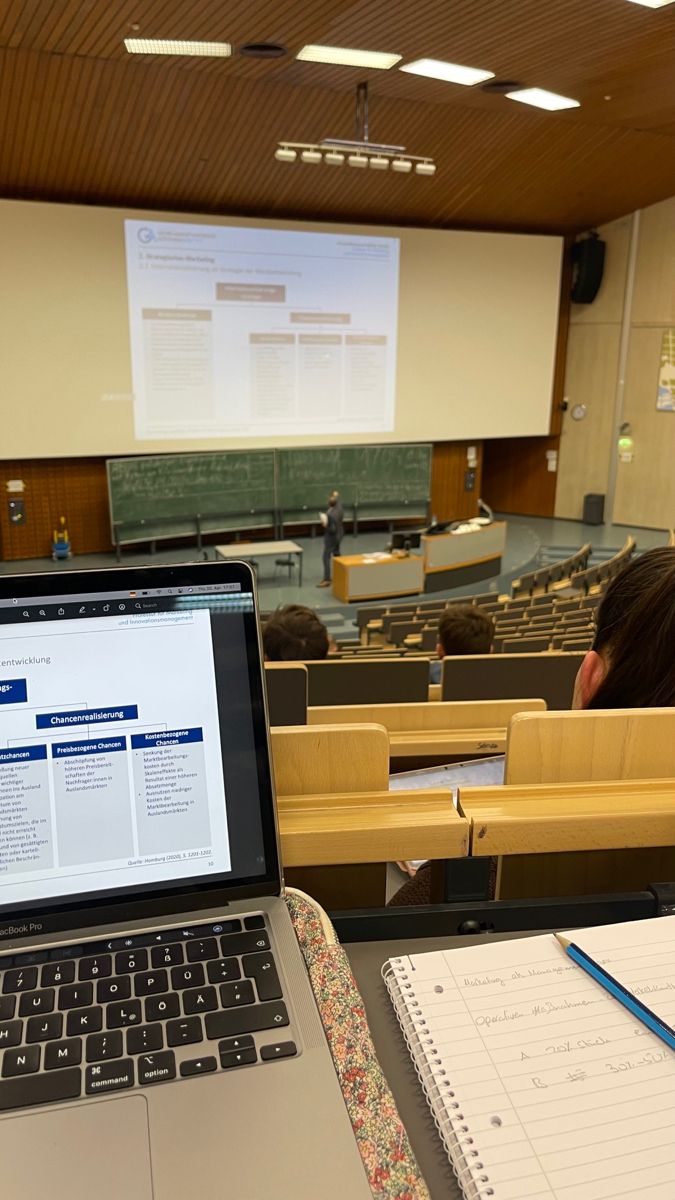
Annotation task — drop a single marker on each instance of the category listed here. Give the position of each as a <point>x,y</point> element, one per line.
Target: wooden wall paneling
<point>654,292</point>
<point>645,487</point>
<point>75,488</point>
<point>586,445</point>
<point>516,478</point>
<point>450,501</point>
<point>592,362</point>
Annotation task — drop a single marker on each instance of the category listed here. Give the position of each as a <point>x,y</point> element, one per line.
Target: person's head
<point>632,662</point>
<point>294,633</point>
<point>333,498</point>
<point>464,629</point>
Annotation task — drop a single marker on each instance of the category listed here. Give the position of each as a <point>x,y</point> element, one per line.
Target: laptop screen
<point>133,752</point>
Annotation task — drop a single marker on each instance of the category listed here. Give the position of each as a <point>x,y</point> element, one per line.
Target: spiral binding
<point>445,1107</point>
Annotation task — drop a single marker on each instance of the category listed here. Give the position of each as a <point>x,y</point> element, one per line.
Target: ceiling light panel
<point>341,57</point>
<point>434,68</point>
<point>165,46</point>
<point>540,98</point>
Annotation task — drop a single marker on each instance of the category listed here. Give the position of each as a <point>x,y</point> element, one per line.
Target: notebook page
<point>561,1093</point>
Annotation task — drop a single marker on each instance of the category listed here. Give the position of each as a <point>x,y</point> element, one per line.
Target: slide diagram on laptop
<point>110,760</point>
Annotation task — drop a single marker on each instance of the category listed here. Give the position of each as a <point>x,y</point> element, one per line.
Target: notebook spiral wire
<point>445,1107</point>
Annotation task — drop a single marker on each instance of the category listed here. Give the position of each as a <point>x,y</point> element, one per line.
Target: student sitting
<point>294,633</point>
<point>631,664</point>
<point>462,629</point>
<point>632,661</point>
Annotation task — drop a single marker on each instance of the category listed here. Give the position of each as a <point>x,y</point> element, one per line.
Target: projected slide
<point>239,332</point>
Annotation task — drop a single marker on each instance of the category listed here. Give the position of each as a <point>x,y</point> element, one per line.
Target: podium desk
<point>370,577</point>
<point>455,559</point>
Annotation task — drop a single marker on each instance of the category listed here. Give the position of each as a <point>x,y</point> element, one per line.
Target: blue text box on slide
<point>102,746</point>
<point>19,754</point>
<point>87,716</point>
<point>169,737</point>
<point>13,691</point>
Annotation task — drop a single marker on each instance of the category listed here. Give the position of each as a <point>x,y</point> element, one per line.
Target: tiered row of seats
<point>567,787</point>
<point>549,609</point>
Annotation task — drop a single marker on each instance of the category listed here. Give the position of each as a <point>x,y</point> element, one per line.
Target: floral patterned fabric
<point>382,1140</point>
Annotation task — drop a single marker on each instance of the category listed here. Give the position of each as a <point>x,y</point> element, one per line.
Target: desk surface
<point>377,559</point>
<point>366,960</point>
<point>247,550</point>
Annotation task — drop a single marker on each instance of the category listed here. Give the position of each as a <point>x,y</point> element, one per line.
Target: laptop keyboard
<point>136,1011</point>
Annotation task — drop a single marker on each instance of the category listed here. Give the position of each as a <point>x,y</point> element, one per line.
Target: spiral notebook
<point>541,1085</point>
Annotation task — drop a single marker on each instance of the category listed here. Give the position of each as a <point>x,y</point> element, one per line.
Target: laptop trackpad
<point>81,1151</point>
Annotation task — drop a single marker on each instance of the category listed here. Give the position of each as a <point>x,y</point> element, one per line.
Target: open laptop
<point>159,1038</point>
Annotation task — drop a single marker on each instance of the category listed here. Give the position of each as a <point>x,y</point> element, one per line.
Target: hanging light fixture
<point>359,151</point>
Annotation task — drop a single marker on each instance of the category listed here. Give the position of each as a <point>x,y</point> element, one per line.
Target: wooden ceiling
<point>83,121</point>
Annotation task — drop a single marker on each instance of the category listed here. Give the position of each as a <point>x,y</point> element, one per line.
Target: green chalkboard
<point>160,495</point>
<point>394,478</point>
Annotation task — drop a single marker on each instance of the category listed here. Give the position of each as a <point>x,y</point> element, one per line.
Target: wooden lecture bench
<point>444,728</point>
<point>569,754</point>
<point>545,818</point>
<point>335,806</point>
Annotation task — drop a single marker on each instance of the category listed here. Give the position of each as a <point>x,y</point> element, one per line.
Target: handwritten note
<point>562,1094</point>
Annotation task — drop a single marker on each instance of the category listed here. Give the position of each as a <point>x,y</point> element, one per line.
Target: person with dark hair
<point>333,529</point>
<point>294,633</point>
<point>462,629</point>
<point>632,661</point>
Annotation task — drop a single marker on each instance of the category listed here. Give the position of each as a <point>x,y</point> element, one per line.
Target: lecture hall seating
<point>433,730</point>
<point>576,748</point>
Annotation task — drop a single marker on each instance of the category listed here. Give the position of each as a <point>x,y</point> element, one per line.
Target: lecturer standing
<point>333,529</point>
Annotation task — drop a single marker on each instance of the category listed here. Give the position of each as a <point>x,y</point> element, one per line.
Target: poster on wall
<point>665,400</point>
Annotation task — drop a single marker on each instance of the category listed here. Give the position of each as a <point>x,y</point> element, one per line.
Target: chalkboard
<point>160,495</point>
<point>389,478</point>
<point>170,495</point>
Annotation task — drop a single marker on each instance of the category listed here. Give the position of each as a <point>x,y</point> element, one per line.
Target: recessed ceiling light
<point>540,98</point>
<point>433,68</point>
<point>652,3</point>
<point>341,57</point>
<point>165,46</point>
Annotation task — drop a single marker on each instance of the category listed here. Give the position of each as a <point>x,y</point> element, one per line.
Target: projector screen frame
<point>73,398</point>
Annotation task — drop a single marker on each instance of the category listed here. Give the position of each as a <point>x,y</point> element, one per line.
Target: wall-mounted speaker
<point>588,264</point>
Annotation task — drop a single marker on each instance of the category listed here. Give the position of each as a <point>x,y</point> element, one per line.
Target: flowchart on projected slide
<point>242,332</point>
<point>132,770</point>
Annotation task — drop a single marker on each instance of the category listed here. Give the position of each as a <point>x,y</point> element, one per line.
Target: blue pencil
<point>618,991</point>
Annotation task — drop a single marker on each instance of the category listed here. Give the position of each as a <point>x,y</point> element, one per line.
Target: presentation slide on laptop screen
<point>239,332</point>
<point>111,770</point>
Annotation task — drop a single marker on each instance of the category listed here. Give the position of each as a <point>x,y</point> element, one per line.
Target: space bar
<point>246,1019</point>
<point>26,1090</point>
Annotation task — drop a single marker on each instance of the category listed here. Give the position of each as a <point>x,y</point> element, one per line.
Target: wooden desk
<point>253,550</point>
<point>421,730</point>
<point>540,818</point>
<point>362,577</point>
<point>455,559</point>
<point>574,839</point>
<point>367,827</point>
